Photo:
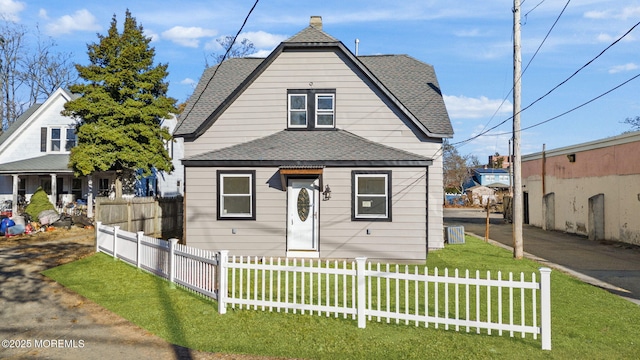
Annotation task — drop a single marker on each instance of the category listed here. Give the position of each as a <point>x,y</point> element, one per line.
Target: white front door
<point>302,214</point>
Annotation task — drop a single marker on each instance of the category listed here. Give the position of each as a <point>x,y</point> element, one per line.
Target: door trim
<point>315,216</point>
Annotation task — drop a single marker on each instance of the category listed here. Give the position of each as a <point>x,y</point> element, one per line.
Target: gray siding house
<point>315,152</point>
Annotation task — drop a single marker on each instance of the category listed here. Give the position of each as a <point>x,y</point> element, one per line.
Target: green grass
<point>587,322</point>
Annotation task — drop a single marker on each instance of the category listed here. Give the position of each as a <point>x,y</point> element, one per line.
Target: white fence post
<point>139,248</point>
<point>115,241</point>
<point>98,225</point>
<point>221,272</point>
<point>172,260</point>
<point>361,293</point>
<point>545,307</point>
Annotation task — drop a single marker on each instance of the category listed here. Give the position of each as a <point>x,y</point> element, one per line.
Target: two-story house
<point>493,178</point>
<point>34,152</point>
<point>315,152</point>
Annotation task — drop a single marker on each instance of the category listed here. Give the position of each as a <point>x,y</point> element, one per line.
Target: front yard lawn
<point>587,322</point>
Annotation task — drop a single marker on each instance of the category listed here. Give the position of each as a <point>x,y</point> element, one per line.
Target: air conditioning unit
<point>454,234</point>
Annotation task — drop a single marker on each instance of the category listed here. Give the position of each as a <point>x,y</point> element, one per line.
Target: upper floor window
<point>71,140</point>
<point>325,110</point>
<point>298,110</point>
<point>56,139</point>
<point>311,108</point>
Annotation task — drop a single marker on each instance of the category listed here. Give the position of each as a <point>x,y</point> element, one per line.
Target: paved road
<point>615,267</point>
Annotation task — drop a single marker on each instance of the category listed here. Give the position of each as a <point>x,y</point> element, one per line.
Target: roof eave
<point>206,124</point>
<point>325,163</point>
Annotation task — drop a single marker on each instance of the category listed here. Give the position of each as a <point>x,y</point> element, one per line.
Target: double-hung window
<point>325,110</point>
<point>57,139</point>
<point>371,195</point>
<point>236,195</point>
<point>297,110</point>
<point>71,140</point>
<point>311,108</point>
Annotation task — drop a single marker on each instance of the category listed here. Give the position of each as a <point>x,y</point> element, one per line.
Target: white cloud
<point>606,38</point>
<point>81,20</point>
<point>624,14</point>
<point>623,68</point>
<point>10,9</point>
<point>261,39</point>
<point>261,53</point>
<point>42,13</point>
<point>462,107</point>
<point>188,36</point>
<point>152,35</point>
<point>187,81</point>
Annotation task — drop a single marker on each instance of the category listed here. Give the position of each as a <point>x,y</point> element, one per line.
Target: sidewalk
<point>614,267</point>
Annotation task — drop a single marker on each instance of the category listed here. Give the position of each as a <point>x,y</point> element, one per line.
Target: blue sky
<point>468,42</point>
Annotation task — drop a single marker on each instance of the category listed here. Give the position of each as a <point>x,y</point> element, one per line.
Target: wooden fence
<point>356,288</point>
<point>162,217</point>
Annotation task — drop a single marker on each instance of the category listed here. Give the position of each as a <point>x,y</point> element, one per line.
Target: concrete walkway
<point>615,267</point>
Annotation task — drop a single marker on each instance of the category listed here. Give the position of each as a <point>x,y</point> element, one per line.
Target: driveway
<point>41,319</point>
<point>613,266</point>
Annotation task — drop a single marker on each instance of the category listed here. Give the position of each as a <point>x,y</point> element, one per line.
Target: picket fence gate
<point>347,288</point>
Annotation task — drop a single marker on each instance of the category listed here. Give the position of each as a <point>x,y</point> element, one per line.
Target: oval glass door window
<point>303,204</point>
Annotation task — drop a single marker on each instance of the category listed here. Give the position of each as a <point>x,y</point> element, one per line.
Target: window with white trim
<point>311,108</point>
<point>371,195</point>
<point>325,110</point>
<point>57,139</point>
<point>71,140</point>
<point>236,195</point>
<point>297,110</point>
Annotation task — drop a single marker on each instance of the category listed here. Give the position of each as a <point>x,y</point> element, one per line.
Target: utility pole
<point>517,162</point>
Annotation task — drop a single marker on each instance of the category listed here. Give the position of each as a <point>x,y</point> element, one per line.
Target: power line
<point>548,32</point>
<point>574,108</point>
<point>535,7</point>
<point>530,60</point>
<point>223,58</point>
<point>482,133</point>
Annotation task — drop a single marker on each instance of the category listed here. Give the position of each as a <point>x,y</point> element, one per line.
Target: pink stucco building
<point>590,189</point>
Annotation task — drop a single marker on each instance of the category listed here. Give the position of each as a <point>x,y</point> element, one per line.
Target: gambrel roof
<point>409,84</point>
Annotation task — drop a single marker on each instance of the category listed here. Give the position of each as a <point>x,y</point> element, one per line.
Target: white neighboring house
<point>34,152</point>
<point>172,184</point>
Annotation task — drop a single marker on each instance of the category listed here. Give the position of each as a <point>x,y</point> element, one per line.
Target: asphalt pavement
<point>612,266</point>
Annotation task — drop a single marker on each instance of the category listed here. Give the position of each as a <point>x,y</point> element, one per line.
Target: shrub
<point>39,202</point>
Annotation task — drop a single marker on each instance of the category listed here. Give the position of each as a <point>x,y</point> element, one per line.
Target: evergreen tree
<point>123,100</point>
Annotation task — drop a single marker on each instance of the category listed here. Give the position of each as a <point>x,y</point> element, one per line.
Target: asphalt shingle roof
<point>207,97</point>
<point>311,34</point>
<point>309,147</point>
<point>411,82</point>
<point>415,85</point>
<point>19,121</point>
<point>43,164</point>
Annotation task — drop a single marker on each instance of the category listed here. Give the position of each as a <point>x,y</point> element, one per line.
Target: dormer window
<point>311,108</point>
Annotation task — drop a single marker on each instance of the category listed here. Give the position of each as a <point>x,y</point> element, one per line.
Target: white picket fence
<point>357,289</point>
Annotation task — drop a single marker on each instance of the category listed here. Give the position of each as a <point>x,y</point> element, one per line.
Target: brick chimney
<point>316,22</point>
